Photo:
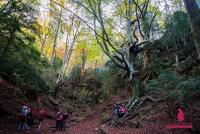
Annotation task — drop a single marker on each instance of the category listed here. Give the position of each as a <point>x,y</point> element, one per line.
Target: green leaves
<point>21,60</point>
<point>181,24</point>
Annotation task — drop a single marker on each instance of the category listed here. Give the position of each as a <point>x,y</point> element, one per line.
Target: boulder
<point>77,119</point>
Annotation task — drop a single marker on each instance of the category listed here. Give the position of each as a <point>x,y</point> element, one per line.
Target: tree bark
<point>55,40</point>
<point>193,13</point>
<point>67,55</point>
<point>9,43</point>
<point>43,43</point>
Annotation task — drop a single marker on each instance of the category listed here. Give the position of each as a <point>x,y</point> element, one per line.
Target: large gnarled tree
<point>122,54</point>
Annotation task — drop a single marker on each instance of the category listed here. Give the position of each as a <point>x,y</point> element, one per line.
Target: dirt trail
<point>91,125</point>
<point>84,127</point>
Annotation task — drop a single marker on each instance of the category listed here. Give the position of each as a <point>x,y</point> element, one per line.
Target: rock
<point>132,124</point>
<point>96,129</point>
<point>77,119</point>
<point>102,131</point>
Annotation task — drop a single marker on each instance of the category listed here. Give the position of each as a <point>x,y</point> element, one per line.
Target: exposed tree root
<point>133,106</point>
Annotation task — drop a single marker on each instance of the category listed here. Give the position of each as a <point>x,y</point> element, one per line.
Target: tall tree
<point>119,50</point>
<point>72,34</point>
<point>194,17</point>
<point>56,38</point>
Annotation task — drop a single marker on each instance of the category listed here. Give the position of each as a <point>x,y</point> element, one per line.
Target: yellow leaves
<point>2,3</point>
<point>62,2</point>
<point>47,50</point>
<point>60,52</point>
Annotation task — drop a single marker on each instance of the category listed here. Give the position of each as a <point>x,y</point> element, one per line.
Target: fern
<point>189,85</point>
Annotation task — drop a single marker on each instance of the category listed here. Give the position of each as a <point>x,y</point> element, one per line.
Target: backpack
<point>122,110</point>
<point>34,113</point>
<point>59,116</point>
<point>21,117</point>
<point>41,114</point>
<point>23,112</point>
<point>65,116</point>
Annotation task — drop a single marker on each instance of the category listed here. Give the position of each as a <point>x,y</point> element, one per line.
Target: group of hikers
<point>28,117</point>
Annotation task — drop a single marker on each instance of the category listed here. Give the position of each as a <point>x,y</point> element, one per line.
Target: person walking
<point>41,117</point>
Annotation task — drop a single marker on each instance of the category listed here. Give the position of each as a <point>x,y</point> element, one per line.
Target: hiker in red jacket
<point>41,114</point>
<point>33,112</point>
<point>41,117</point>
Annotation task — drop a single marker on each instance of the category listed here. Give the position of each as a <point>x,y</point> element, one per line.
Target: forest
<point>112,66</point>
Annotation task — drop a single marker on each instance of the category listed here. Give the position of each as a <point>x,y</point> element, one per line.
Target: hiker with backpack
<point>41,118</point>
<point>119,111</point>
<point>29,118</point>
<point>59,119</point>
<point>116,111</point>
<point>64,120</point>
<point>23,126</point>
<point>41,115</point>
<point>122,111</point>
<point>34,112</point>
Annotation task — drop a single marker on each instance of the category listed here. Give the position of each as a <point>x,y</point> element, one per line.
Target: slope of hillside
<point>152,117</point>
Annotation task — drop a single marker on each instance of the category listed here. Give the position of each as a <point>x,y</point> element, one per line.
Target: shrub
<point>174,86</point>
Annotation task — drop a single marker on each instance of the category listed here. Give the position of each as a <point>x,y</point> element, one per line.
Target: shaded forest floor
<point>154,121</point>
